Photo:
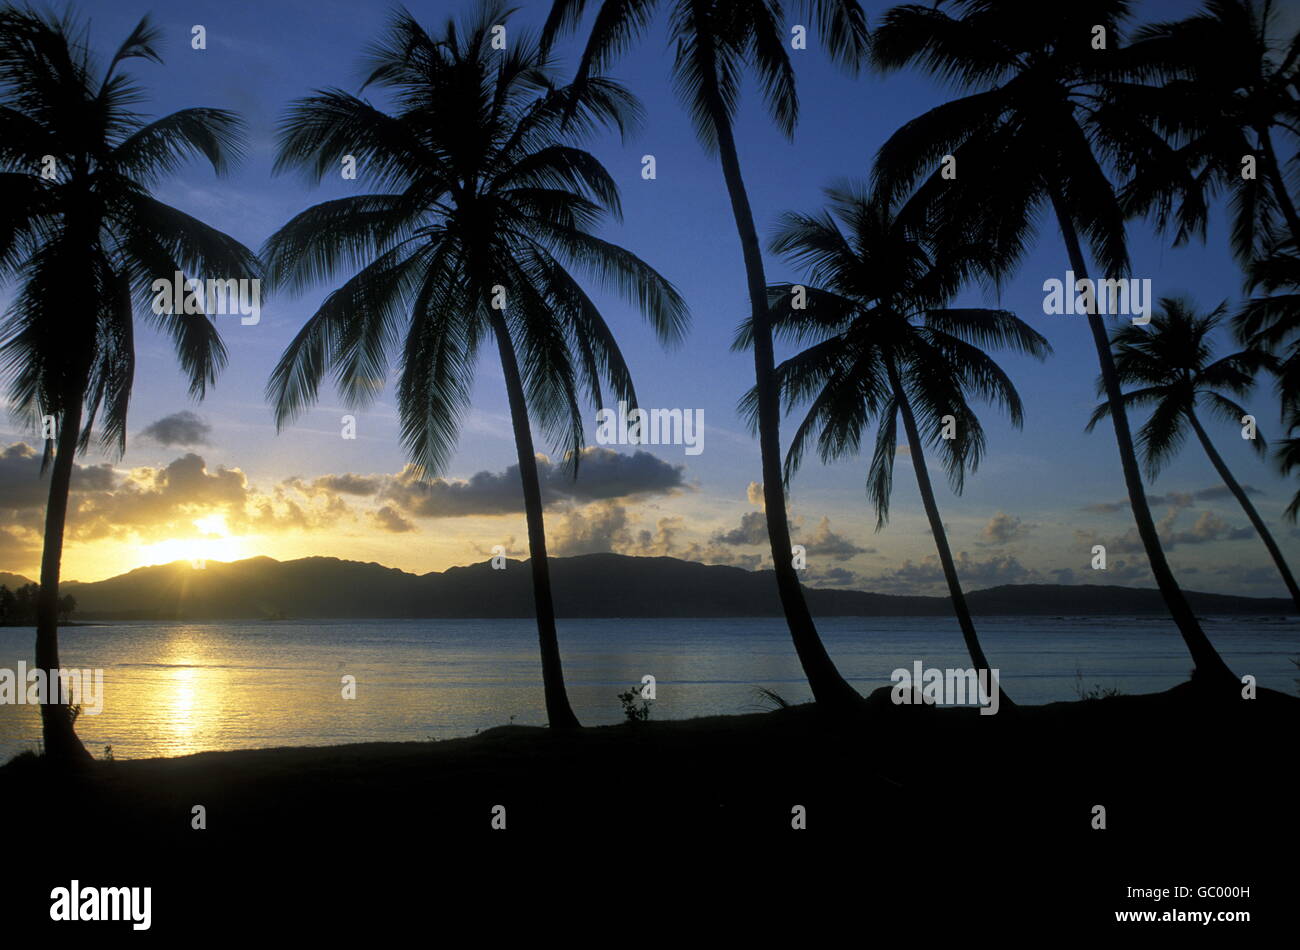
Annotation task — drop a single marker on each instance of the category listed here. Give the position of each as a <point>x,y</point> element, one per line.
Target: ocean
<point>174,689</point>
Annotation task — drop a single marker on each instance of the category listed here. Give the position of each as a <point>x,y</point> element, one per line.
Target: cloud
<point>826,543</point>
<point>823,542</point>
<point>1173,499</point>
<point>349,484</point>
<point>390,519</point>
<point>594,529</point>
<point>832,577</point>
<point>23,487</point>
<point>752,530</point>
<point>149,503</point>
<point>180,428</point>
<point>603,474</point>
<point>926,576</point>
<point>755,494</point>
<point>1207,528</point>
<point>1002,528</point>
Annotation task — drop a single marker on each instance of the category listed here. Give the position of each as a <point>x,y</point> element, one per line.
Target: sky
<point>215,480</point>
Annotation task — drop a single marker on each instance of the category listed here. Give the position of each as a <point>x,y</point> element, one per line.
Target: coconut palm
<point>1217,91</point>
<point>885,346</point>
<point>1270,319</point>
<point>1030,134</point>
<point>482,211</point>
<point>1172,363</point>
<point>715,43</point>
<point>84,240</point>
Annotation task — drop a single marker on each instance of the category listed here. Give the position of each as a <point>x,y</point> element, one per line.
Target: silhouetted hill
<point>592,585</point>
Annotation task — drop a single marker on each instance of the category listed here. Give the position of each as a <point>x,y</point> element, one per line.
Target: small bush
<point>635,711</point>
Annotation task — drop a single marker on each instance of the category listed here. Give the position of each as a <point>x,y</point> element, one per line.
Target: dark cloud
<point>752,530</point>
<point>832,577</point>
<point>23,487</point>
<point>180,428</point>
<point>822,542</point>
<point>349,484</point>
<point>603,475</point>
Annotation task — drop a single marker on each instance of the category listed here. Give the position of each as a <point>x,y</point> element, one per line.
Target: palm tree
<point>1217,91</point>
<point>714,42</point>
<point>1271,320</point>
<point>85,240</point>
<point>885,346</point>
<point>1171,360</point>
<point>1033,134</point>
<point>480,214</point>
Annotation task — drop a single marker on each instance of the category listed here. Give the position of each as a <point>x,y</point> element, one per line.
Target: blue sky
<point>1029,514</point>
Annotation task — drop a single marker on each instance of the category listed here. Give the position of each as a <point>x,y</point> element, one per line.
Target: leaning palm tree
<point>482,211</point>
<point>84,240</point>
<point>1172,363</point>
<point>885,346</point>
<point>714,43</point>
<point>1031,135</point>
<point>1217,91</point>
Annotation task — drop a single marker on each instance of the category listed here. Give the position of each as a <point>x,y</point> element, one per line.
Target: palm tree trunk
<point>558,711</point>
<point>1209,664</point>
<point>61,742</point>
<point>827,685</point>
<point>1239,493</point>
<point>923,484</point>
<point>1278,184</point>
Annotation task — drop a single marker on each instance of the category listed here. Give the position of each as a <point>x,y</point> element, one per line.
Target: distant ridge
<point>591,585</point>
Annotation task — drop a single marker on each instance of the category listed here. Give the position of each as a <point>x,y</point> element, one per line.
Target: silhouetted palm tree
<point>85,241</point>
<point>1171,361</point>
<point>715,43</point>
<point>1218,90</point>
<point>885,346</point>
<point>480,200</point>
<point>1031,135</point>
<point>1271,320</point>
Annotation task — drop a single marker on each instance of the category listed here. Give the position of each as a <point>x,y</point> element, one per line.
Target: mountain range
<point>591,585</point>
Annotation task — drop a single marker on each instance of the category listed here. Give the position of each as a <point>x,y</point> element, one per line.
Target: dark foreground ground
<point>918,819</point>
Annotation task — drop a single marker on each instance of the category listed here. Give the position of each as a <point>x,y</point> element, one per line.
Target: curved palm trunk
<point>558,711</point>
<point>827,685</point>
<point>1208,662</point>
<point>958,596</point>
<point>60,739</point>
<point>1239,493</point>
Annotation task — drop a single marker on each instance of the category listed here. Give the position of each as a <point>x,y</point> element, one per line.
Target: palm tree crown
<point>1219,90</point>
<point>1171,362</point>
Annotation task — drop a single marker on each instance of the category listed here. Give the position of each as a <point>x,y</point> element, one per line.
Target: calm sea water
<point>172,689</point>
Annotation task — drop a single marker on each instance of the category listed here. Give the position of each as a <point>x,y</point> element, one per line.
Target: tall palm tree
<point>1217,89</point>
<point>85,246</point>
<point>481,213</point>
<point>1030,135</point>
<point>885,346</point>
<point>714,42</point>
<point>1172,362</point>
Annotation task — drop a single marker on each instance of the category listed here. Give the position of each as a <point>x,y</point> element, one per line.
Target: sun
<point>214,543</point>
